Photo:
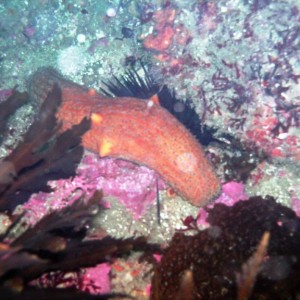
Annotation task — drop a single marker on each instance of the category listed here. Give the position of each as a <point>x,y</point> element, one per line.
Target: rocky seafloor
<point>236,63</point>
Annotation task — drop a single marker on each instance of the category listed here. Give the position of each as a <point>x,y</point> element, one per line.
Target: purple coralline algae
<point>133,185</point>
<point>94,280</point>
<point>4,94</point>
<point>232,192</point>
<point>295,205</point>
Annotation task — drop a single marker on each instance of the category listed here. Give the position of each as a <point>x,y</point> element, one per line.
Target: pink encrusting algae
<point>232,192</point>
<point>4,94</point>
<point>93,280</point>
<point>96,280</point>
<point>133,185</point>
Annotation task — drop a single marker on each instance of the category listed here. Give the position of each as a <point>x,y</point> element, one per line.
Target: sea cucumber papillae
<point>137,130</point>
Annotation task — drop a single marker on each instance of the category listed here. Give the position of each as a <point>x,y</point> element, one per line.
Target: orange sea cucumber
<point>135,130</point>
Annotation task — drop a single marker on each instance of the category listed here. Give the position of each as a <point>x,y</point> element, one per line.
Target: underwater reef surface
<point>229,71</point>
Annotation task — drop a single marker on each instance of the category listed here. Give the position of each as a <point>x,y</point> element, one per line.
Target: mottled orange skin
<point>132,129</point>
